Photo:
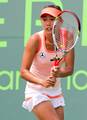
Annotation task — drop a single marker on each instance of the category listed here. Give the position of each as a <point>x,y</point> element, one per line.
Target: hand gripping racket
<point>66,31</point>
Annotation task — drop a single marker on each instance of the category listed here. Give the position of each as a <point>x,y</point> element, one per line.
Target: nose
<point>48,22</point>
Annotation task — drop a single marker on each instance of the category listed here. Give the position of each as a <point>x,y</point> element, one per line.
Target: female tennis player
<point>43,94</point>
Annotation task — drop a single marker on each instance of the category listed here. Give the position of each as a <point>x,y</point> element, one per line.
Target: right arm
<point>28,56</point>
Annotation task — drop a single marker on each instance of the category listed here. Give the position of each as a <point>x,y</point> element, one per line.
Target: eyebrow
<point>48,16</point>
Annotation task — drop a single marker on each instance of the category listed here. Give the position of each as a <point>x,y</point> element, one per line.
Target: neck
<point>48,36</point>
<point>48,41</point>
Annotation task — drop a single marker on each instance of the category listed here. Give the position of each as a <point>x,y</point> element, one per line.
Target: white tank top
<point>41,65</point>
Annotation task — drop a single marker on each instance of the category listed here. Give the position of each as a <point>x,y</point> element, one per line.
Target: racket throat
<point>55,61</point>
<point>56,58</point>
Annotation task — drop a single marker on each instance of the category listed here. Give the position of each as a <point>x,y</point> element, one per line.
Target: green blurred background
<point>18,20</point>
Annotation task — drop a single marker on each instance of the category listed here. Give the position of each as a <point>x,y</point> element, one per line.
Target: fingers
<point>51,81</point>
<point>55,70</point>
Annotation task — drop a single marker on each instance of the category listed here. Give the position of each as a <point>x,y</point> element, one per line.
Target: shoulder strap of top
<point>41,34</point>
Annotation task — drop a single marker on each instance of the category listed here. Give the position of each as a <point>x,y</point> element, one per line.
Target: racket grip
<point>55,63</point>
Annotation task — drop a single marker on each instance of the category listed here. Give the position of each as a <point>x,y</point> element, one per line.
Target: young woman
<point>43,94</point>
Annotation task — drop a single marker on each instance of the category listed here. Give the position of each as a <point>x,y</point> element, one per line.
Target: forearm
<point>64,72</point>
<point>28,76</point>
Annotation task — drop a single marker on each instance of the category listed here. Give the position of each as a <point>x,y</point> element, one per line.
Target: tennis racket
<point>65,32</point>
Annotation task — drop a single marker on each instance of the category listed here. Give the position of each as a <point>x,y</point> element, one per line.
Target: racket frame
<point>56,48</point>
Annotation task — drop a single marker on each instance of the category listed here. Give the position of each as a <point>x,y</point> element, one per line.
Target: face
<point>47,23</point>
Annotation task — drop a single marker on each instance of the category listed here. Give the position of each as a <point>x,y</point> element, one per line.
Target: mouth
<point>49,29</point>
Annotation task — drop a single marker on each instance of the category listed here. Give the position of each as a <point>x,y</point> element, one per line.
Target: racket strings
<point>65,34</point>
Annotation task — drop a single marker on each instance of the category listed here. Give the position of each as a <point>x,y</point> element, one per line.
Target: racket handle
<point>55,63</point>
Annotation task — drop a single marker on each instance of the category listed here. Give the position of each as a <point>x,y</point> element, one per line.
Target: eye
<point>52,19</point>
<point>44,18</point>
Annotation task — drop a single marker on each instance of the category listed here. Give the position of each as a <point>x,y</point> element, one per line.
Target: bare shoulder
<point>35,36</point>
<point>33,42</point>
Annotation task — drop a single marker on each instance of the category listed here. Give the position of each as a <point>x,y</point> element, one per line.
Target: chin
<point>49,32</point>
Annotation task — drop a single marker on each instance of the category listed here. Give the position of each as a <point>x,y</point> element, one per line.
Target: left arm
<point>69,66</point>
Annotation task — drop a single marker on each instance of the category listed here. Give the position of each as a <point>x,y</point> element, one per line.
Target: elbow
<point>22,72</point>
<point>71,71</point>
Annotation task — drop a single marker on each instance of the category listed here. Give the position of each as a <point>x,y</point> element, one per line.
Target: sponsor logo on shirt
<point>42,55</point>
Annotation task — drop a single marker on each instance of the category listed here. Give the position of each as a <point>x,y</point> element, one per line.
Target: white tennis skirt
<point>33,97</point>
